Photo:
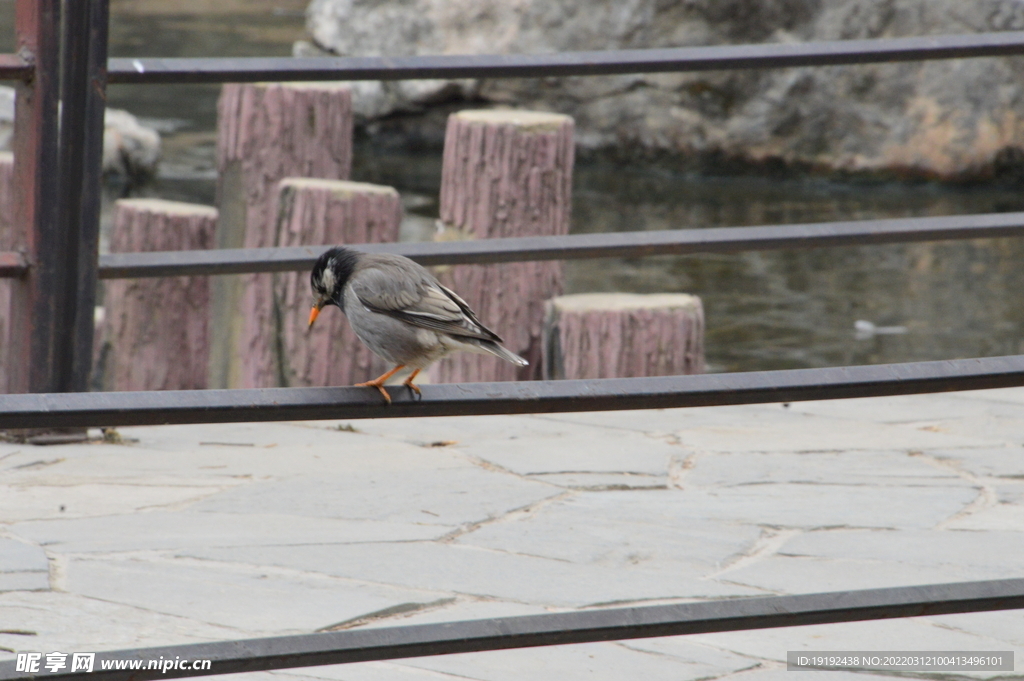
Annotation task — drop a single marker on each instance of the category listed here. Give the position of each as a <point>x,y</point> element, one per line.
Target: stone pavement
<point>200,533</point>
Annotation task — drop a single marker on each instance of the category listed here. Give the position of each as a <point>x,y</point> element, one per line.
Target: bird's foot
<point>378,382</point>
<point>415,388</point>
<point>378,386</point>
<point>412,386</point>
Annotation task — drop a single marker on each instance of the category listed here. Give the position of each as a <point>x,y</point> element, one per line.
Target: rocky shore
<point>949,120</point>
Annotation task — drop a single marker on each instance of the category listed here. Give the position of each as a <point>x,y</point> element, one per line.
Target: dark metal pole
<point>603,62</point>
<point>95,95</point>
<point>575,246</point>
<point>33,320</point>
<point>73,86</point>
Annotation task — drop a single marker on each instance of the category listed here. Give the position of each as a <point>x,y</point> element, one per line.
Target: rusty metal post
<point>35,327</point>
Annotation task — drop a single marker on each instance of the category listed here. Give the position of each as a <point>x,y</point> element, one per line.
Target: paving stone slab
<point>1006,429</point>
<point>64,621</point>
<point>661,421</point>
<point>281,433</point>
<point>889,468</point>
<point>554,447</point>
<point>900,408</point>
<point>450,496</point>
<point>220,451</point>
<point>245,597</point>
<point>610,451</point>
<point>597,482</point>
<point>477,572</point>
<point>772,427</point>
<point>397,670</point>
<point>188,529</point>
<point>597,534</point>
<point>684,648</point>
<point>20,556</point>
<point>1004,625</point>
<point>997,462</point>
<point>785,574</point>
<point>912,633</point>
<point>1002,516</point>
<point>37,502</point>
<point>995,550</point>
<point>788,505</point>
<point>462,429</point>
<point>819,433</point>
<point>581,661</point>
<point>24,581</point>
<point>814,675</point>
<point>1014,395</point>
<point>757,428</point>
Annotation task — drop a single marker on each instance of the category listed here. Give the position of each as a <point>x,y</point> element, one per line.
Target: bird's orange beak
<point>313,314</point>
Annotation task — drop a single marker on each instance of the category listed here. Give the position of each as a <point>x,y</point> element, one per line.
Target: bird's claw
<point>378,386</point>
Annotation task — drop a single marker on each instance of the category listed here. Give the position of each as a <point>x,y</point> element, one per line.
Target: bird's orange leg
<point>378,382</point>
<point>409,384</point>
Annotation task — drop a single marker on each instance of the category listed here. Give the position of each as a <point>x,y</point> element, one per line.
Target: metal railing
<point>607,624</point>
<point>55,264</point>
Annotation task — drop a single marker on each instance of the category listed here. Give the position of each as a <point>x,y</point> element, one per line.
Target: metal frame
<point>57,170</point>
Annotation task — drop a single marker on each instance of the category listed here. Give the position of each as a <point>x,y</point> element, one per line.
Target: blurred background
<point>746,148</point>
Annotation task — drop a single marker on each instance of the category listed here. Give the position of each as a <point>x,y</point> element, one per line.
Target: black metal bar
<point>73,240</point>
<point>503,633</point>
<point>94,85</point>
<point>528,397</point>
<point>36,297</point>
<point>770,55</point>
<point>576,246</point>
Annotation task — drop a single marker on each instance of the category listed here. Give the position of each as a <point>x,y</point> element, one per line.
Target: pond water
<point>764,310</point>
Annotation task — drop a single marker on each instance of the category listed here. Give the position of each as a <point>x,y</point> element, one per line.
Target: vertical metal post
<point>35,326</point>
<point>83,95</point>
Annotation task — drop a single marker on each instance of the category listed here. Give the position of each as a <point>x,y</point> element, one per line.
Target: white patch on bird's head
<point>327,279</point>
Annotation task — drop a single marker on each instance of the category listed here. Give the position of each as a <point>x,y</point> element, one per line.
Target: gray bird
<point>400,311</point>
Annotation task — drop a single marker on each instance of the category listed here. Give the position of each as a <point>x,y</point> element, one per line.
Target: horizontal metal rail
<point>576,246</point>
<point>389,643</point>
<point>43,410</point>
<point>13,67</point>
<point>606,62</point>
<point>12,264</point>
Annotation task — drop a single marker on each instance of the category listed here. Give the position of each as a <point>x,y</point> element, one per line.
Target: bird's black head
<point>330,274</point>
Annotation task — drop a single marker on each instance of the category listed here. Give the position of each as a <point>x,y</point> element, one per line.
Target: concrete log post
<point>506,174</point>
<point>266,132</point>
<point>155,331</point>
<point>623,335</point>
<point>326,212</point>
<point>6,244</point>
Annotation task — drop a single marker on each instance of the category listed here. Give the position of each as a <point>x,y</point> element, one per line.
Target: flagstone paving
<point>215,532</point>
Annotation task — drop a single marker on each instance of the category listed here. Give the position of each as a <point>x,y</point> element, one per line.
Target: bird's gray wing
<point>417,300</point>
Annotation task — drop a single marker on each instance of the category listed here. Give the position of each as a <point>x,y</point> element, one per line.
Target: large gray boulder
<point>948,119</point>
<point>130,149</point>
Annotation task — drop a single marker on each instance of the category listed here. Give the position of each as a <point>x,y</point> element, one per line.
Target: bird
<point>400,311</point>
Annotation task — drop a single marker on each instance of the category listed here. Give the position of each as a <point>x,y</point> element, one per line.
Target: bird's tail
<point>493,348</point>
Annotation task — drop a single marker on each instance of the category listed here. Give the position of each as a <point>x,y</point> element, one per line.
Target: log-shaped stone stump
<point>266,132</point>
<point>326,212</point>
<point>623,335</point>
<point>156,330</point>
<point>6,243</point>
<point>506,174</point>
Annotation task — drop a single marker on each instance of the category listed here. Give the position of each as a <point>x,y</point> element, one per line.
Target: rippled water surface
<point>765,310</point>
